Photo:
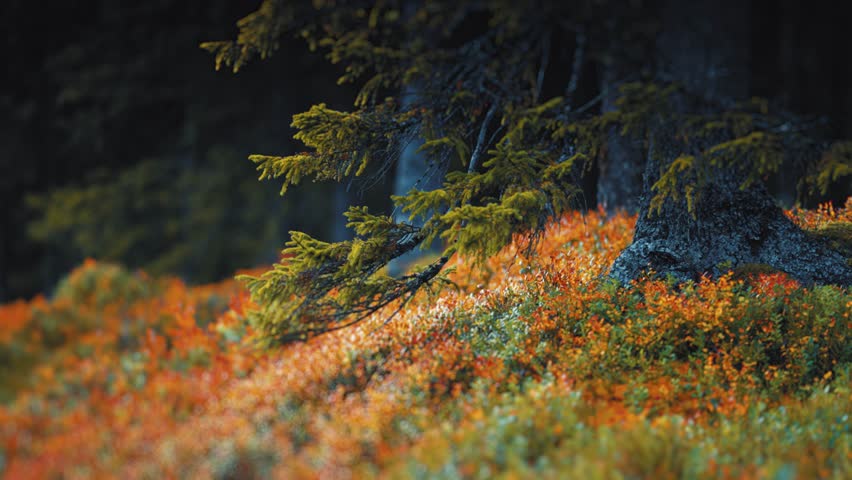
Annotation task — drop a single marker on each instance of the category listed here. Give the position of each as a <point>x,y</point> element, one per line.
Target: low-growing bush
<point>530,367</point>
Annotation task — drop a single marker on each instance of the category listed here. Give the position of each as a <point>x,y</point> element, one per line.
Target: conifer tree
<point>712,154</point>
<point>511,150</point>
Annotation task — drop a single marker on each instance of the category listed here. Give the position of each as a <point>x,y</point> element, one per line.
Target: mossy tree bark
<point>704,49</point>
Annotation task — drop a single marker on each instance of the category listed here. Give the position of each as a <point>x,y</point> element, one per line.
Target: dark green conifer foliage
<point>512,156</point>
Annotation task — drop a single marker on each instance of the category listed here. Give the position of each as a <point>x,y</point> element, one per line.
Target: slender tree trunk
<point>413,170</point>
<point>620,168</point>
<point>704,48</point>
<point>783,183</point>
<point>341,202</point>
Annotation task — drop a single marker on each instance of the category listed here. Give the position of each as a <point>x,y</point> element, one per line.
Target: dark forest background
<point>119,140</point>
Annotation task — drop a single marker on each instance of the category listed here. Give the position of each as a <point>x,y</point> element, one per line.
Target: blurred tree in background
<point>164,218</point>
<point>119,142</point>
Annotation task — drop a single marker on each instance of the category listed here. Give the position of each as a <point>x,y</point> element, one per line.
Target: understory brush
<point>530,367</point>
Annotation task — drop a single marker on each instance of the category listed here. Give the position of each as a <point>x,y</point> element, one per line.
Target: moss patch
<point>838,235</point>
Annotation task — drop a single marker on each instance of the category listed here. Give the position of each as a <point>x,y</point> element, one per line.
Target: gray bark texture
<point>619,185</point>
<point>704,49</point>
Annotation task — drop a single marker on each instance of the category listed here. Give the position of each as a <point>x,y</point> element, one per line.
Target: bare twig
<point>545,58</point>
<point>480,141</point>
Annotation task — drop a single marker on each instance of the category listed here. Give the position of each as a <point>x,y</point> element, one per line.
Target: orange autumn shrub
<point>531,367</point>
<point>14,316</point>
<point>823,215</point>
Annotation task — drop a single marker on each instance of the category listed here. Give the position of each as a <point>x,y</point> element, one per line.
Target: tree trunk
<point>413,170</point>
<point>702,47</point>
<point>620,168</point>
<point>341,202</point>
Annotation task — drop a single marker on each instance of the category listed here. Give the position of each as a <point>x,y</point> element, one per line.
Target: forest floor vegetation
<point>530,367</point>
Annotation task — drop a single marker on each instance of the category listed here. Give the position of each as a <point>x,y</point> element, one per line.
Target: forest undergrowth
<point>533,367</point>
